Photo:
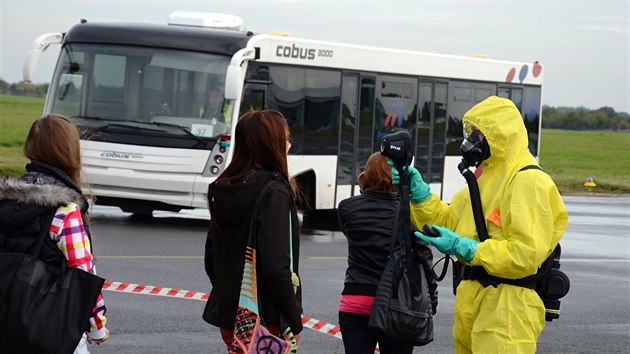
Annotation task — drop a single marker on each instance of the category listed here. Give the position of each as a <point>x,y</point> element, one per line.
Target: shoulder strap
<point>290,241</point>
<point>531,167</point>
<point>403,235</point>
<point>479,273</point>
<point>251,242</point>
<point>528,167</point>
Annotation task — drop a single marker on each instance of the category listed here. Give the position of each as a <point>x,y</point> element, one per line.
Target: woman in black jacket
<point>49,195</point>
<point>260,155</point>
<point>367,221</point>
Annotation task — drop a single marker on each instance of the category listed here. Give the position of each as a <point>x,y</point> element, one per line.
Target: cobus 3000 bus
<point>136,91</point>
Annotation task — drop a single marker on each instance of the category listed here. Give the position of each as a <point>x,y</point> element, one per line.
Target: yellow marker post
<point>590,184</point>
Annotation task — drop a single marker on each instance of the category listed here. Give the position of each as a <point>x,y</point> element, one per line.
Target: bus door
<point>355,132</point>
<point>431,131</point>
<point>348,138</point>
<point>365,135</point>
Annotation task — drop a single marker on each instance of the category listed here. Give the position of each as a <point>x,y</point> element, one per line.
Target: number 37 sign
<point>204,130</point>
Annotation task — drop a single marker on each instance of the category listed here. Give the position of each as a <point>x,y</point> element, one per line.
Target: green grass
<point>17,113</point>
<point>570,157</point>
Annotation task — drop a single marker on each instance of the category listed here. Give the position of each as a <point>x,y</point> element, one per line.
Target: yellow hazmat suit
<point>525,217</point>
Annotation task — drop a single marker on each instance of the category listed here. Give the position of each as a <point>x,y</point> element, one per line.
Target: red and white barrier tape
<point>308,322</point>
<point>153,290</point>
<point>321,326</point>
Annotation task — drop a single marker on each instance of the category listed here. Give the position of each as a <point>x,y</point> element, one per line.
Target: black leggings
<point>357,338</point>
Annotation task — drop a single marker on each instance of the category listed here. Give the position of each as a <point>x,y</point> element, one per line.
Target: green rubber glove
<point>419,189</point>
<point>451,243</point>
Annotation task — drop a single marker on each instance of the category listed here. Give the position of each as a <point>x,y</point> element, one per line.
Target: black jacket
<point>225,251</point>
<point>27,206</point>
<point>367,221</point>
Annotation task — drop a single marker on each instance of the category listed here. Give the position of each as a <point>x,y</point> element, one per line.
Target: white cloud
<point>607,29</point>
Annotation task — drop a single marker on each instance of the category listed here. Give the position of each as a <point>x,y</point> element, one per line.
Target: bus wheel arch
<point>305,190</point>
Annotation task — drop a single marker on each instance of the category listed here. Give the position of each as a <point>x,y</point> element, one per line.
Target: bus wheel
<point>305,198</point>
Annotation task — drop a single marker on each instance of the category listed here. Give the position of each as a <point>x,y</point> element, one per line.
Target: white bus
<point>136,92</point>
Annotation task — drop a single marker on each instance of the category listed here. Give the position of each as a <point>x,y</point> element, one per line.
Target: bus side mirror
<point>39,45</point>
<point>233,82</point>
<point>235,72</point>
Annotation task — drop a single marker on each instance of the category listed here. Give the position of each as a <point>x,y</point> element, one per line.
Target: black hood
<point>42,173</point>
<point>21,202</point>
<point>233,202</point>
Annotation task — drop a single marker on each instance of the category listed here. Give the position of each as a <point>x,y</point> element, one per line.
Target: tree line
<point>581,118</point>
<point>23,88</point>
<point>568,118</point>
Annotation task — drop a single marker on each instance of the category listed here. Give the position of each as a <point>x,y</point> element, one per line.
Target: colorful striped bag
<point>250,334</point>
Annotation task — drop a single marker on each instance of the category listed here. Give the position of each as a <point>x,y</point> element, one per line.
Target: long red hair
<point>377,174</point>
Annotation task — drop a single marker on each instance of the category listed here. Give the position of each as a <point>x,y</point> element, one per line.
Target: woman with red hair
<point>367,221</point>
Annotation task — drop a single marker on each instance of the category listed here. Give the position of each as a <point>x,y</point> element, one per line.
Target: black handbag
<point>43,309</point>
<point>402,309</point>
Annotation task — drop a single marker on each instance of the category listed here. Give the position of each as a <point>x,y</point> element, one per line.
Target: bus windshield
<point>142,96</point>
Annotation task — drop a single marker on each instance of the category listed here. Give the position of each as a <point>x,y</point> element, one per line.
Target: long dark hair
<point>260,142</point>
<point>54,140</point>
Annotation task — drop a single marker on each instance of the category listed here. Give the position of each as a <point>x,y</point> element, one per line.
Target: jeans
<point>357,338</point>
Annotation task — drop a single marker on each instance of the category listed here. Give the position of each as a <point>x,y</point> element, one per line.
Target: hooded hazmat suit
<point>525,217</point>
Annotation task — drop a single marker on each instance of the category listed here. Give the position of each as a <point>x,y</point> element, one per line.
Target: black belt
<point>479,274</point>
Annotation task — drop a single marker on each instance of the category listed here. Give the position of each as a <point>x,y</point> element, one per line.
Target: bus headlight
<point>218,159</point>
<point>214,170</point>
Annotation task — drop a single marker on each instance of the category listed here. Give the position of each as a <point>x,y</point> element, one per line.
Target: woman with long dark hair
<point>262,142</point>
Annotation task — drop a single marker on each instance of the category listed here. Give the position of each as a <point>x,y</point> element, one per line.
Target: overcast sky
<point>582,44</point>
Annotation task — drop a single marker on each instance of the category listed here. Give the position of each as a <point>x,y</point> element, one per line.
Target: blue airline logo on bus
<point>295,52</point>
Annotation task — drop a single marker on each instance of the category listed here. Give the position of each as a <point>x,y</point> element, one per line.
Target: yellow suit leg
<point>506,319</point>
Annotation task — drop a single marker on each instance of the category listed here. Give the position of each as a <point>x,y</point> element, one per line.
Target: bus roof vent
<point>205,19</point>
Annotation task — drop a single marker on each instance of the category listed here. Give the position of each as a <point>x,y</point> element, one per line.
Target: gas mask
<point>474,148</point>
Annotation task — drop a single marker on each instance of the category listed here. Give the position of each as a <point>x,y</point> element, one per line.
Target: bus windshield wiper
<point>122,125</point>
